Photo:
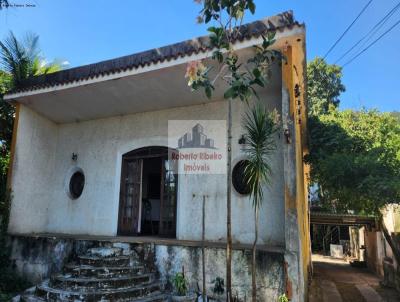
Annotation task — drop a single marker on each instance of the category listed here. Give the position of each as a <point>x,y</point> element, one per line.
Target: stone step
<point>65,281</point>
<point>130,293</point>
<point>31,298</point>
<point>156,296</point>
<point>105,252</point>
<point>101,271</point>
<point>101,261</point>
<point>153,297</point>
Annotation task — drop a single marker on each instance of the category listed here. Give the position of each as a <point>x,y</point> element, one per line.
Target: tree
<point>22,59</point>
<point>354,155</point>
<point>6,114</point>
<point>324,86</point>
<point>355,160</point>
<point>240,78</point>
<point>19,61</point>
<point>260,127</point>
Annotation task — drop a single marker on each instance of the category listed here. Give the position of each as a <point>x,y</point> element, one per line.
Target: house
<point>91,161</point>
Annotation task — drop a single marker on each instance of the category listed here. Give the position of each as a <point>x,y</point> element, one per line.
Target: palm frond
<point>260,128</point>
<point>22,60</point>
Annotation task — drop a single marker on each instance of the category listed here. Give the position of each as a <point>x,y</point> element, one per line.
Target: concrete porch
<point>39,257</point>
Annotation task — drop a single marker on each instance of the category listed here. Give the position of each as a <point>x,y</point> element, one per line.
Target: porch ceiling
<point>151,88</point>
<point>150,91</point>
<point>146,91</point>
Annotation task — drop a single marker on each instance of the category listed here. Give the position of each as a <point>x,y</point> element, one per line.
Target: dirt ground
<point>334,280</point>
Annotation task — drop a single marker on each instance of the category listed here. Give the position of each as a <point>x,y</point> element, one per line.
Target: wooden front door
<point>168,205</point>
<point>131,192</point>
<point>130,197</point>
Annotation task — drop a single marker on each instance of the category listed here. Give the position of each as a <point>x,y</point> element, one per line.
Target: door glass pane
<point>168,212</point>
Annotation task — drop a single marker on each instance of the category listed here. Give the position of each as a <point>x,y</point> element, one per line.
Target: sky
<point>88,31</point>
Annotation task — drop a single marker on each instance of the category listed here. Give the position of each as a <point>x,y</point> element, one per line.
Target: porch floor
<point>157,240</point>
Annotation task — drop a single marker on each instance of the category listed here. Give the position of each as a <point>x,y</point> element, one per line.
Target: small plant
<point>283,298</point>
<point>219,286</point>
<point>180,284</point>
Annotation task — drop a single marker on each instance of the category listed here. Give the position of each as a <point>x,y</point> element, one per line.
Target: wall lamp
<point>286,132</point>
<point>242,140</point>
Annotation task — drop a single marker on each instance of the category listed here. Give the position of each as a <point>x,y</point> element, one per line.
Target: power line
<point>347,29</point>
<point>372,31</point>
<point>371,44</point>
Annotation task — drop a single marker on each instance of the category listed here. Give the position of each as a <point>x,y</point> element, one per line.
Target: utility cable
<point>371,44</point>
<point>347,29</point>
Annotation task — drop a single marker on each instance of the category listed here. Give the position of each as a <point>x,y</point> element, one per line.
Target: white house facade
<point>91,163</point>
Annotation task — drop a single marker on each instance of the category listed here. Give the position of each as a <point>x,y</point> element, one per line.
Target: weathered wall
<point>37,258</point>
<point>33,169</point>
<point>43,167</point>
<point>270,269</point>
<point>294,108</point>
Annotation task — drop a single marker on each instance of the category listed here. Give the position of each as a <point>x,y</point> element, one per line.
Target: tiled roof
<point>198,45</point>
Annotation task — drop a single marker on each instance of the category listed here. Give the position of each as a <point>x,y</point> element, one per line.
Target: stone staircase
<point>101,274</point>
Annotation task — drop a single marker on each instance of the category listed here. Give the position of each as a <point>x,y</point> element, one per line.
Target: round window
<point>76,184</point>
<point>238,179</point>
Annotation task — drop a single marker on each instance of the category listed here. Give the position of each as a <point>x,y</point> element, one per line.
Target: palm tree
<point>19,60</point>
<point>22,60</point>
<point>260,127</point>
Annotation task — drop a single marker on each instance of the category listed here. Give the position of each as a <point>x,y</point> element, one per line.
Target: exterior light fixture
<point>242,140</point>
<point>74,157</point>
<point>286,132</point>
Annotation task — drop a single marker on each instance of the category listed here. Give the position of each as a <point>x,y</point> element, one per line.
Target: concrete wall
<point>34,161</point>
<point>37,258</point>
<point>296,173</point>
<point>269,269</point>
<point>43,167</point>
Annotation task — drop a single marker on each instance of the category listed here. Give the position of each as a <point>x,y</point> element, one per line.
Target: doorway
<point>148,194</point>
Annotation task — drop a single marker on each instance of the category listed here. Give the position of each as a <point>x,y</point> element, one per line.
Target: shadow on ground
<point>334,280</point>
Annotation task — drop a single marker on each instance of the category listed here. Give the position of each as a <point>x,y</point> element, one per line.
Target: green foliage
<point>6,118</point>
<point>242,78</point>
<point>180,284</point>
<point>11,284</point>
<point>283,298</point>
<point>219,286</point>
<point>355,159</point>
<point>396,114</point>
<point>324,86</point>
<point>214,9</point>
<point>21,59</point>
<point>260,128</point>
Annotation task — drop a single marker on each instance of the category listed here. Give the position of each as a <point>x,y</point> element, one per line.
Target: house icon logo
<point>196,139</point>
<point>198,146</point>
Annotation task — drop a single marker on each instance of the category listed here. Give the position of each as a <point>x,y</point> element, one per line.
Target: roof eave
<point>283,37</point>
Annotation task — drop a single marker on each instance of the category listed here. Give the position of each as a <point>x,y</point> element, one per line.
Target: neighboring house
<point>91,161</point>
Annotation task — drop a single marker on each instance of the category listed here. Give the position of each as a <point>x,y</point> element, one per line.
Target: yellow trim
<point>13,143</point>
<point>294,73</point>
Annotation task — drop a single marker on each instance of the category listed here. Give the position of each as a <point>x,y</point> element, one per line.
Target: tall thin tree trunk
<point>228,209</point>
<point>253,262</point>
<point>203,232</point>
